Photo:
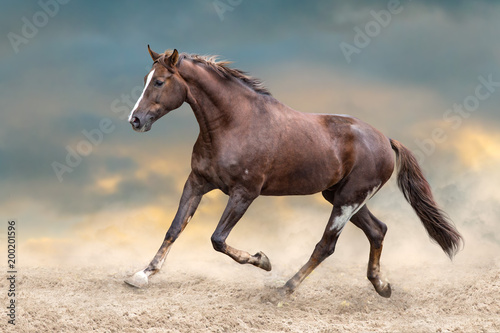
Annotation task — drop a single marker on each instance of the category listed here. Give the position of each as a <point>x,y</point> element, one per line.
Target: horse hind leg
<point>344,207</point>
<point>375,231</point>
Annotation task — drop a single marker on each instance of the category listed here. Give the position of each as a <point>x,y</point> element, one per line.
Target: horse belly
<point>301,179</point>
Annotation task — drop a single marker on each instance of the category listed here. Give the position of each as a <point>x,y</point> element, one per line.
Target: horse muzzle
<point>141,126</point>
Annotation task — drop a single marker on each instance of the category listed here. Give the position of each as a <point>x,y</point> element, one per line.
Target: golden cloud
<point>476,146</point>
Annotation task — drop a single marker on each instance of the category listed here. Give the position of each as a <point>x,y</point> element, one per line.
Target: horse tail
<point>417,192</point>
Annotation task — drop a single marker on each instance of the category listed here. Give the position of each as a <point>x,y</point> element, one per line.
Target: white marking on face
<point>148,80</point>
<point>246,171</point>
<point>349,210</point>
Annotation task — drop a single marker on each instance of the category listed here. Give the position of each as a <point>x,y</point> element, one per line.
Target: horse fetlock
<point>288,288</point>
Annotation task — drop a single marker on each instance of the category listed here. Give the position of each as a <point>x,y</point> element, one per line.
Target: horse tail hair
<point>417,192</point>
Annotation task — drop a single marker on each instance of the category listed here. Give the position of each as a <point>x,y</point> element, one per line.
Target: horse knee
<point>218,244</point>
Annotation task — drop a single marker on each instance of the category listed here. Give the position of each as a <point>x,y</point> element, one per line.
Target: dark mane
<point>222,68</point>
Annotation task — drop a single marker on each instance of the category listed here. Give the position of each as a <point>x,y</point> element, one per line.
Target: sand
<point>222,296</point>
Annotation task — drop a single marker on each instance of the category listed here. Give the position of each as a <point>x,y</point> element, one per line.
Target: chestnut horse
<point>250,144</point>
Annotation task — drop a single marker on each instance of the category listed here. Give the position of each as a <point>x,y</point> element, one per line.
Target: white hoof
<point>138,280</point>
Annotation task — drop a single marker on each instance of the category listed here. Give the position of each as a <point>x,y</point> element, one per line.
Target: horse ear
<point>153,54</point>
<point>173,58</point>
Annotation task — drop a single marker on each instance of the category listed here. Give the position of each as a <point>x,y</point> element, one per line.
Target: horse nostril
<point>135,122</point>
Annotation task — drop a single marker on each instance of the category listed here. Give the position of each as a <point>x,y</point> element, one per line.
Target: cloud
<point>476,147</point>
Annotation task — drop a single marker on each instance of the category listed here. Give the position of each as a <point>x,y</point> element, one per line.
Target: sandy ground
<point>195,297</point>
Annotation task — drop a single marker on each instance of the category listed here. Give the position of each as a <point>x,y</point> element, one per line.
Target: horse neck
<point>212,99</point>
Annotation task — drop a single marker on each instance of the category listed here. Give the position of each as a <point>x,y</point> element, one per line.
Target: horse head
<point>164,91</point>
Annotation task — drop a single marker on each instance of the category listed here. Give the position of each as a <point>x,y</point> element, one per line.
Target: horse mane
<point>222,68</point>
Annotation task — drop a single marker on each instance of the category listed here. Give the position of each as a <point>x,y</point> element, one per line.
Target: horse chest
<point>226,170</point>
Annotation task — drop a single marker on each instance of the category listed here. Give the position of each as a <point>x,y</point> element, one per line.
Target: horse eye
<point>158,83</point>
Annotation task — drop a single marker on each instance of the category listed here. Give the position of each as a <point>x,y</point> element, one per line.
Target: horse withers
<point>251,144</point>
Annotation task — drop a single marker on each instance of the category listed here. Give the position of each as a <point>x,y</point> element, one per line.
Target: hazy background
<point>86,60</point>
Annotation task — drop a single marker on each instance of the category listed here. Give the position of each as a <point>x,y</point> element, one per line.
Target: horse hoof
<point>263,262</point>
<point>285,291</point>
<point>138,280</point>
<point>385,291</point>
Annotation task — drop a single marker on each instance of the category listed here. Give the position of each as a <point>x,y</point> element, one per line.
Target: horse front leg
<point>193,191</point>
<point>237,205</point>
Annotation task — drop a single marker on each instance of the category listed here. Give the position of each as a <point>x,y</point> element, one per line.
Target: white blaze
<point>148,80</point>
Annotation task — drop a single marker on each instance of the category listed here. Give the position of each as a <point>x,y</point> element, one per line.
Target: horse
<point>250,144</point>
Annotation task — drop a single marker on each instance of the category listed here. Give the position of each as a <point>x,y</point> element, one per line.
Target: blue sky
<point>88,56</point>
